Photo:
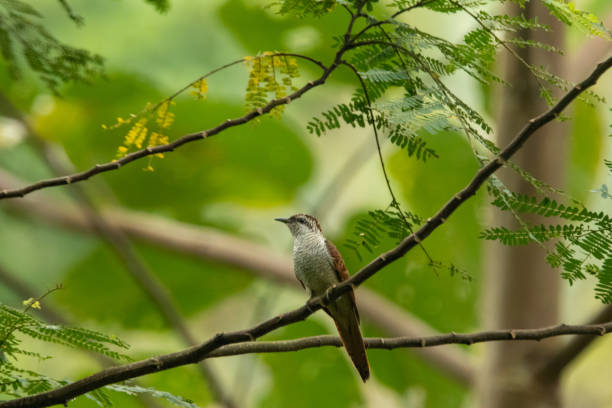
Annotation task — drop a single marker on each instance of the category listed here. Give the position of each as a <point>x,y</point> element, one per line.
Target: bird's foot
<point>311,304</point>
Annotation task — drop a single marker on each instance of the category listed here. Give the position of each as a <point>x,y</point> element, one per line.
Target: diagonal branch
<point>480,177</point>
<point>169,147</point>
<point>194,354</point>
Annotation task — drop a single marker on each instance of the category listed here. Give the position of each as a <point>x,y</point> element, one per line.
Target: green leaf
<point>585,21</point>
<point>603,290</point>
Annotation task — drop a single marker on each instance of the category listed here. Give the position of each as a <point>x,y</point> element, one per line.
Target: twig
<point>390,19</point>
<point>23,291</point>
<point>8,331</point>
<point>502,42</point>
<point>194,354</point>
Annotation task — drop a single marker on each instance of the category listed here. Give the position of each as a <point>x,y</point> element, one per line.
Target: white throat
<point>309,240</point>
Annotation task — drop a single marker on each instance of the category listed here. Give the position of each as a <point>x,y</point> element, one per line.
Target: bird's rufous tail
<point>344,314</point>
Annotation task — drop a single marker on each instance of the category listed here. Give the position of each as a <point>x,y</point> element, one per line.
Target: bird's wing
<point>341,271</point>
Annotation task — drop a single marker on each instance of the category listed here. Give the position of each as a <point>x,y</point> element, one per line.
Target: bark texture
<point>522,291</point>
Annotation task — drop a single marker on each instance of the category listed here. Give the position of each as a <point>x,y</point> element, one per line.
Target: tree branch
<point>469,190</point>
<point>194,354</point>
<point>391,343</point>
<point>204,351</point>
<point>192,137</point>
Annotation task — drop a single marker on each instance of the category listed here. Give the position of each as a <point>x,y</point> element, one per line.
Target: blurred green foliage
<point>102,271</point>
<point>586,142</point>
<point>256,167</point>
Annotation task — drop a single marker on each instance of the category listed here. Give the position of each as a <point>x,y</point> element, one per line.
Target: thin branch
<point>391,343</point>
<point>63,394</point>
<point>192,137</point>
<point>230,64</point>
<point>73,16</point>
<point>195,354</point>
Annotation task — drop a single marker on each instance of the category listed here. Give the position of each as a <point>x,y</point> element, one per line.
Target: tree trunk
<point>522,291</point>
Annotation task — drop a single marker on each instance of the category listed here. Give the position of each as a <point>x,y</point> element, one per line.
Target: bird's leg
<point>328,294</point>
<point>311,302</point>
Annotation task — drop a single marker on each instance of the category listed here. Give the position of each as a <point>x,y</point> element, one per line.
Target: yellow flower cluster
<point>157,139</point>
<point>31,302</point>
<point>137,135</point>
<point>165,118</point>
<point>200,88</point>
<point>270,74</point>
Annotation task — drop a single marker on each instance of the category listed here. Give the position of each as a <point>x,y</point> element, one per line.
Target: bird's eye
<point>301,221</point>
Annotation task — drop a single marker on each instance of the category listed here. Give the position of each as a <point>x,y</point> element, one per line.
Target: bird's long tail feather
<point>344,314</point>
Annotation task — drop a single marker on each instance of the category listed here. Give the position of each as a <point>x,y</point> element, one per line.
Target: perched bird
<point>318,266</point>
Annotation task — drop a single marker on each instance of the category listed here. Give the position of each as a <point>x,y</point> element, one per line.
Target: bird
<point>319,266</point>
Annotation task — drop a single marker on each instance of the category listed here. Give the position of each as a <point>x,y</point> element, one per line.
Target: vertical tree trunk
<point>522,291</point>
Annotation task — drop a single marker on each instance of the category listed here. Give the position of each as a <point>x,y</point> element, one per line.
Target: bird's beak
<point>283,220</point>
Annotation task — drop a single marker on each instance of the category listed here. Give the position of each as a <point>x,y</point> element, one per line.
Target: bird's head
<point>301,224</point>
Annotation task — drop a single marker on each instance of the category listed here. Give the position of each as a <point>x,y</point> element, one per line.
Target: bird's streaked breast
<point>312,263</point>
